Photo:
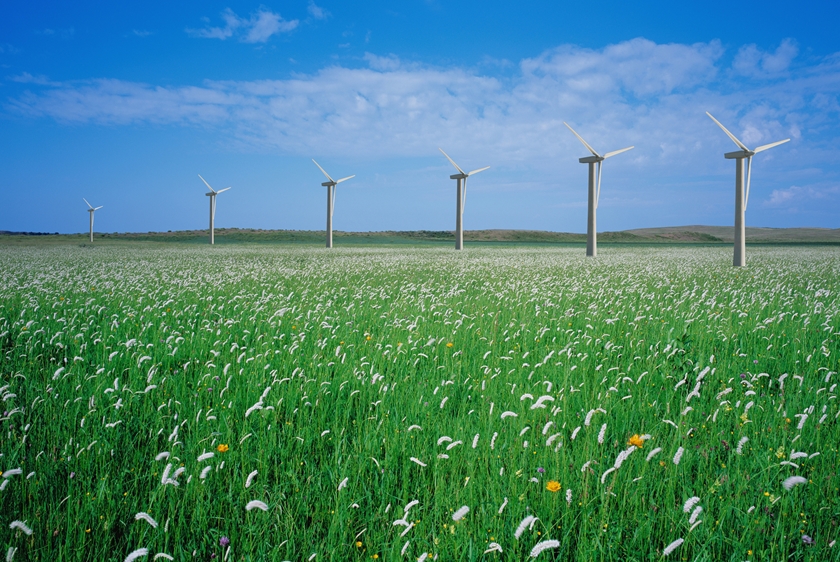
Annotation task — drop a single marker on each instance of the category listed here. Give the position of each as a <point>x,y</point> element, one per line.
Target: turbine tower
<point>594,190</point>
<point>330,185</point>
<point>91,210</point>
<point>461,202</point>
<point>212,195</point>
<point>742,195</point>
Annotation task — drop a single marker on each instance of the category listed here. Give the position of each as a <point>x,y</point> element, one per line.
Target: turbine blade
<point>580,138</point>
<point>771,145</point>
<point>345,179</point>
<point>99,207</point>
<point>207,184</point>
<point>730,135</point>
<point>332,207</point>
<point>325,172</point>
<point>479,170</point>
<point>464,197</point>
<point>88,204</point>
<point>614,152</point>
<point>747,191</point>
<point>222,190</point>
<point>453,162</point>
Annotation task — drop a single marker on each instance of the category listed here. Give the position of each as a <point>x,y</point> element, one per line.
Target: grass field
<point>292,403</point>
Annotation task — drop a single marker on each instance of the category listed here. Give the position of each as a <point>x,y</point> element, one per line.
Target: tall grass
<point>327,372</point>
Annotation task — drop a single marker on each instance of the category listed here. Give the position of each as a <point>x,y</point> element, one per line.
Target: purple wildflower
<point>224,541</point>
<point>807,540</point>
<point>540,469</point>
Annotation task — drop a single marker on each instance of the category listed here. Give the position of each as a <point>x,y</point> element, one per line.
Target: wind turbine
<point>330,185</point>
<point>594,190</point>
<point>91,210</point>
<point>461,176</point>
<point>212,195</point>
<point>742,195</point>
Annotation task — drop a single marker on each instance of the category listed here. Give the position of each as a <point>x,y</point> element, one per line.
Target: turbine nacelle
<point>744,153</point>
<point>332,181</point>
<point>462,174</point>
<point>91,208</point>
<point>595,159</point>
<point>216,192</point>
<point>212,191</point>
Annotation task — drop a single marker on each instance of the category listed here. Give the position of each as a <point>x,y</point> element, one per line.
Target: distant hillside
<point>727,234</point>
<point>664,235</point>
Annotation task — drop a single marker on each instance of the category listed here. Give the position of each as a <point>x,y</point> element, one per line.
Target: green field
<point>625,402</point>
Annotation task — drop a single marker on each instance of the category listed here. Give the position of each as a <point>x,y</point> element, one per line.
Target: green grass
<point>335,355</point>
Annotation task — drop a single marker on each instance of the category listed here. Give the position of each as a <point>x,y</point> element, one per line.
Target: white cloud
<point>316,11</point>
<point>63,33</point>
<point>389,63</point>
<point>639,66</point>
<point>755,63</point>
<point>141,32</point>
<point>258,28</point>
<point>41,80</point>
<point>796,195</point>
<point>637,92</point>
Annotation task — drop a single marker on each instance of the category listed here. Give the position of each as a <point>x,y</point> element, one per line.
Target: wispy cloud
<point>388,63</point>
<point>142,32</point>
<point>8,48</point>
<point>635,92</point>
<point>316,11</point>
<point>796,195</point>
<point>258,28</point>
<point>752,62</point>
<point>67,33</point>
<point>41,80</point>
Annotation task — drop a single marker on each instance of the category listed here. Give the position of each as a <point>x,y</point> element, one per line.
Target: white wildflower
<point>458,515</point>
<point>139,553</point>
<point>256,504</point>
<point>544,545</point>
<point>789,483</point>
<point>672,547</point>
<point>147,518</point>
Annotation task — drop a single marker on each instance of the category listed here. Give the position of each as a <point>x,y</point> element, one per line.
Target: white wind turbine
<point>330,185</point>
<point>461,176</point>
<point>594,190</point>
<point>742,195</point>
<point>212,195</point>
<point>91,210</point>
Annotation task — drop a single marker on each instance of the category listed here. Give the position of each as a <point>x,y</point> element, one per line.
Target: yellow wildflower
<point>637,441</point>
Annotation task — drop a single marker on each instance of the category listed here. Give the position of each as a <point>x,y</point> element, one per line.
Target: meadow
<point>294,403</point>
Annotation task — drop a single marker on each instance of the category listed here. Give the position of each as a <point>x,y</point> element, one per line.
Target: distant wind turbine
<point>461,176</point>
<point>330,185</point>
<point>742,196</point>
<point>212,195</point>
<point>91,210</point>
<point>594,190</point>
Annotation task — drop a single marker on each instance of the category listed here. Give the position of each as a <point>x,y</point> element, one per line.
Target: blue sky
<point>125,104</point>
